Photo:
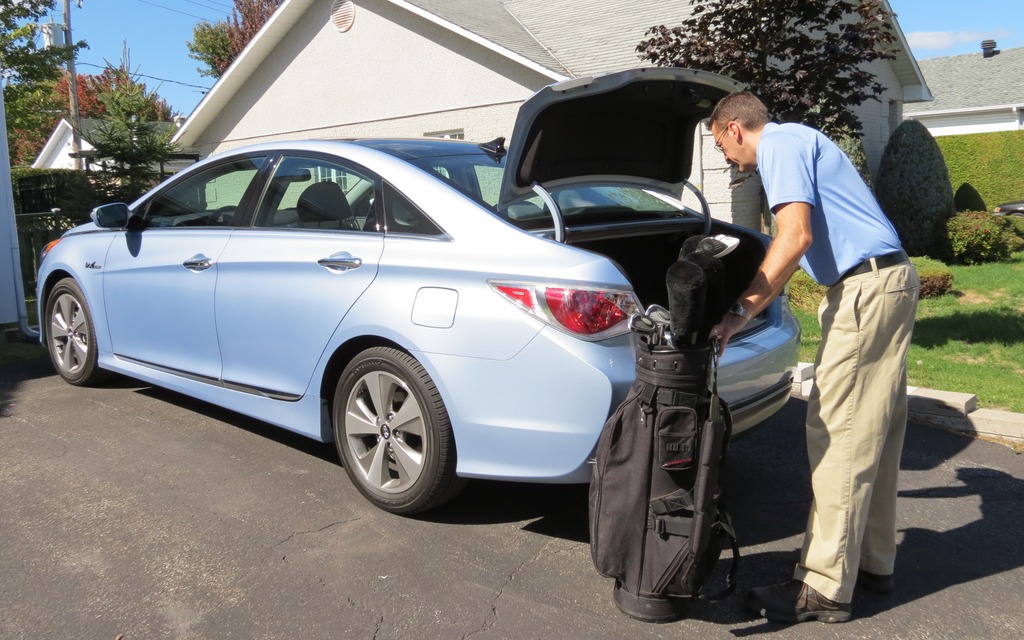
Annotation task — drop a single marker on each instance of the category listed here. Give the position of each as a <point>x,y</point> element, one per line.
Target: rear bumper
<point>762,406</point>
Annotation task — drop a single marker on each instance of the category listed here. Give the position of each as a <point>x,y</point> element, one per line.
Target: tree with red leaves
<point>805,60</point>
<point>218,44</point>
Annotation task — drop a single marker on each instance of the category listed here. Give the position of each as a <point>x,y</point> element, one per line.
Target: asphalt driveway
<point>128,511</point>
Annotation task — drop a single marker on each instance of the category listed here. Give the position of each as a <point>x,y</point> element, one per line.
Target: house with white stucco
<point>461,68</point>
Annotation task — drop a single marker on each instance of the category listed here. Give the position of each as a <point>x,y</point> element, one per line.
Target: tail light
<point>588,313</point>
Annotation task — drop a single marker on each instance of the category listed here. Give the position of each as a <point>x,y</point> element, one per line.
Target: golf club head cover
<point>716,300</point>
<point>687,286</point>
<point>690,246</point>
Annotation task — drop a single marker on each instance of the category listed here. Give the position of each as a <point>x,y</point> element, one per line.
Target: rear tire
<point>71,336</point>
<point>393,433</point>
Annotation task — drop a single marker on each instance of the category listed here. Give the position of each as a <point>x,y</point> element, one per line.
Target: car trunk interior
<point>645,259</point>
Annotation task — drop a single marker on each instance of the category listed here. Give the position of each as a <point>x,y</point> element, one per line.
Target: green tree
<point>29,73</point>
<point>217,44</point>
<point>211,46</point>
<point>913,189</point>
<point>806,60</point>
<point>130,142</point>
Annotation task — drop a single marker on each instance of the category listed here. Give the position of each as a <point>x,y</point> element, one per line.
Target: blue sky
<point>156,32</point>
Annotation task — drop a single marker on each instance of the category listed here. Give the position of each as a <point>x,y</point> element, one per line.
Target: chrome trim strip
<point>217,382</point>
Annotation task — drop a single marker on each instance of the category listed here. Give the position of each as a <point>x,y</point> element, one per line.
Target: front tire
<point>71,338</point>
<point>393,433</point>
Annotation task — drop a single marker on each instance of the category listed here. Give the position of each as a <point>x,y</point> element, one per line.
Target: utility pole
<point>76,120</point>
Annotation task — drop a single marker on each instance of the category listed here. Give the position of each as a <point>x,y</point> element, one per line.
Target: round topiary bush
<point>978,236</point>
<point>913,189</point>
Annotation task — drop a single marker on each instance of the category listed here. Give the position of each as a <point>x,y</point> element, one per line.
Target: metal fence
<point>35,230</point>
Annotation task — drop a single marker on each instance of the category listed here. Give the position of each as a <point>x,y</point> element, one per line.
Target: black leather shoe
<point>795,601</point>
<point>875,583</point>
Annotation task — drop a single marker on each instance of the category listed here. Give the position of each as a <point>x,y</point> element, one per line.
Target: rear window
<point>476,176</point>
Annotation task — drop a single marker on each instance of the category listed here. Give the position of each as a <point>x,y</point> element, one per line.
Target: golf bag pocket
<point>676,429</point>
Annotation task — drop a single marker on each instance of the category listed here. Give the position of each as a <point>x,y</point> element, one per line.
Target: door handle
<point>197,263</point>
<point>340,262</point>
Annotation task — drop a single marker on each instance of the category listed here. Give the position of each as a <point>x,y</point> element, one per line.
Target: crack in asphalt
<point>321,529</point>
<point>492,616</point>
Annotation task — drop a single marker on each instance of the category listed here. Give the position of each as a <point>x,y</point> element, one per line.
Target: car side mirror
<point>111,216</point>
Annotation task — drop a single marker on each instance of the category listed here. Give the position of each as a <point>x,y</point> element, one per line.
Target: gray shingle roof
<point>970,81</point>
<point>574,38</point>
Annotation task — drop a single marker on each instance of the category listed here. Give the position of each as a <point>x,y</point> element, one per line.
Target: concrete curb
<point>946,409</point>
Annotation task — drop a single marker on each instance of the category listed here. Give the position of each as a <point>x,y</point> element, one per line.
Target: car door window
<point>312,193</point>
<point>208,198</point>
<point>405,217</point>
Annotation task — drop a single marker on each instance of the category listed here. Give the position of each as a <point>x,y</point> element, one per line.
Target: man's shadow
<point>968,529</point>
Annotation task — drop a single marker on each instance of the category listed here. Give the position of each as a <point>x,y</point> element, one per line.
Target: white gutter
<point>254,53</point>
<point>1013,107</point>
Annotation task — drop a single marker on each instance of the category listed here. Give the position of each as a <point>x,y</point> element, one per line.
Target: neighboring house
<point>461,68</point>
<point>974,92</point>
<point>57,152</point>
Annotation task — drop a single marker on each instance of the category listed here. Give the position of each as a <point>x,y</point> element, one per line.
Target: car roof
<point>416,148</point>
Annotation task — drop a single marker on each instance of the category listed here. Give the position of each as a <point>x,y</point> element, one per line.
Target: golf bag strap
<point>724,522</point>
<point>716,410</point>
<point>674,504</point>
<point>680,500</point>
<point>677,526</point>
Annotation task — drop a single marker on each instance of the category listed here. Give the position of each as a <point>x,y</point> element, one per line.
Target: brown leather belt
<point>881,262</point>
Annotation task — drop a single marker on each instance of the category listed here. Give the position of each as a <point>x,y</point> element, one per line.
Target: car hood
<point>635,126</point>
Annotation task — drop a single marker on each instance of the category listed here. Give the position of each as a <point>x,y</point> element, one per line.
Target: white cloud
<point>922,40</point>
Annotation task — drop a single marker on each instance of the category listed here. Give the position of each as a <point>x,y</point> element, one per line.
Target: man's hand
<point>727,328</point>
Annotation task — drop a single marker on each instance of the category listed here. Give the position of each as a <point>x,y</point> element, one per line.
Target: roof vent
<point>343,14</point>
<point>988,48</point>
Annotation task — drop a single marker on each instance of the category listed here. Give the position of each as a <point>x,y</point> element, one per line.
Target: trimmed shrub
<point>989,163</point>
<point>1015,224</point>
<point>853,147</point>
<point>978,236</point>
<point>936,280</point>
<point>914,191</point>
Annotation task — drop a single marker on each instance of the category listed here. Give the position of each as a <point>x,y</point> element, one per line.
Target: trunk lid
<point>634,127</point>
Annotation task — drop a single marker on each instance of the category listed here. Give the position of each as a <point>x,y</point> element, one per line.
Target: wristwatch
<point>739,310</point>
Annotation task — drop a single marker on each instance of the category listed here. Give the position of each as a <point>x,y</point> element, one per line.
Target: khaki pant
<point>856,419</point>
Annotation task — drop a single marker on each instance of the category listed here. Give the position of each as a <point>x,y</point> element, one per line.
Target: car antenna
<point>495,148</point>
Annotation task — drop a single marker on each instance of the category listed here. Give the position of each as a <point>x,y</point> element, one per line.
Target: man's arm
<point>793,223</point>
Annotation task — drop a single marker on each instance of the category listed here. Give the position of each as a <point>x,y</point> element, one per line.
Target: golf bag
<point>657,523</point>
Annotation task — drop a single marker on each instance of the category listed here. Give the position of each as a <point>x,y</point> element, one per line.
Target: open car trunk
<point>645,259</point>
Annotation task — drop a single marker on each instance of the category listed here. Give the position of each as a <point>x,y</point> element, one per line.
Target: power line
<point>142,75</point>
<point>160,6</point>
<point>212,2</point>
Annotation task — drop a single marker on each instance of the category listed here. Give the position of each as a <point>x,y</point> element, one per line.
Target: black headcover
<point>687,286</point>
<point>716,300</point>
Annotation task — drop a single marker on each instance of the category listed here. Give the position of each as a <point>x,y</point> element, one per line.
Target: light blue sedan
<point>441,310</point>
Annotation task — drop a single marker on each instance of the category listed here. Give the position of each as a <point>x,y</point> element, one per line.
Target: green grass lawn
<point>970,340</point>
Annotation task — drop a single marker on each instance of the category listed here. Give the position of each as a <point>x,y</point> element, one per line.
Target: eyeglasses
<point>718,140</point>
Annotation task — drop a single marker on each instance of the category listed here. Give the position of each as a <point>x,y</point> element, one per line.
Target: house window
<point>894,115</point>
<point>450,134</point>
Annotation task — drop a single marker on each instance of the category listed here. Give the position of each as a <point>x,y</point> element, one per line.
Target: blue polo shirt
<point>800,164</point>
